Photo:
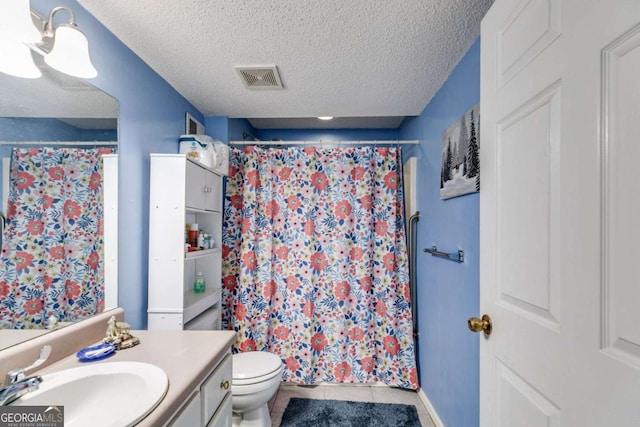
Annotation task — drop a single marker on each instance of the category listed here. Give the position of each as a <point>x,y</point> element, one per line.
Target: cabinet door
<point>216,387</point>
<point>224,416</point>
<point>213,192</point>
<point>189,416</point>
<point>195,189</point>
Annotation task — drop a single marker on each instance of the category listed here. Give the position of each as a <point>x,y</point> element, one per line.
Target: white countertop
<point>185,356</point>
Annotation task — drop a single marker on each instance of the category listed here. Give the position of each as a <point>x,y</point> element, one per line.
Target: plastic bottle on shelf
<point>193,235</point>
<point>201,240</point>
<point>199,283</point>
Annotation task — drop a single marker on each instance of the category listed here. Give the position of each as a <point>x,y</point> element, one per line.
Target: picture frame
<point>460,170</point>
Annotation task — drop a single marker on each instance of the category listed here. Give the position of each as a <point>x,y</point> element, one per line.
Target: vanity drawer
<point>216,387</point>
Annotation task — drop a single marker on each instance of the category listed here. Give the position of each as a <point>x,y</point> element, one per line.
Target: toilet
<point>256,377</point>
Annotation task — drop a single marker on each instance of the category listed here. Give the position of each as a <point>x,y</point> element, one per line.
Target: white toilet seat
<point>257,380</point>
<point>254,367</point>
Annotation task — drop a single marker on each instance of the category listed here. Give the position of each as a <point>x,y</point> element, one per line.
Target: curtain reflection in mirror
<point>51,266</point>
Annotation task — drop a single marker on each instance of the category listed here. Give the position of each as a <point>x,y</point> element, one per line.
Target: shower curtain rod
<point>360,142</point>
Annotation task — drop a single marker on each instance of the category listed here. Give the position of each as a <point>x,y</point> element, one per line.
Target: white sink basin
<point>113,394</point>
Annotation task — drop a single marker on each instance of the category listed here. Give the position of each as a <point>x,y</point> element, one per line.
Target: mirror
<point>62,113</point>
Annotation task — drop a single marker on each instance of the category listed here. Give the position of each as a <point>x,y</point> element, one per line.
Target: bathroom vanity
<point>197,364</point>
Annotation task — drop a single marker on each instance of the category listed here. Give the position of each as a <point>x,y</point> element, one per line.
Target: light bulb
<point>70,53</point>
<point>16,60</point>
<point>16,23</point>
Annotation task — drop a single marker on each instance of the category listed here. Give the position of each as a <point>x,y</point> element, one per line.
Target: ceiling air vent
<point>260,77</point>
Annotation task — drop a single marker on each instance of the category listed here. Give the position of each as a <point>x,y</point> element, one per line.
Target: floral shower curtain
<point>52,252</point>
<point>315,263</point>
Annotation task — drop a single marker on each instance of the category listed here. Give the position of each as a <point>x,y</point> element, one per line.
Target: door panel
<point>522,405</point>
<point>621,304</point>
<point>528,142</point>
<point>530,28</point>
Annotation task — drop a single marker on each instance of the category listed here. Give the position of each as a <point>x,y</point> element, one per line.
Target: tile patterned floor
<point>357,393</point>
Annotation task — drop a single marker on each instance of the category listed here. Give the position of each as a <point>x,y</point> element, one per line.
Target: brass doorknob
<point>484,324</point>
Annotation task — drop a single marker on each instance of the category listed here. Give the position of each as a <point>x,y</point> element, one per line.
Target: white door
<point>560,213</point>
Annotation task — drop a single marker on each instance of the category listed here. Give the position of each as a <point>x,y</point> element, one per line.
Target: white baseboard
<point>432,412</point>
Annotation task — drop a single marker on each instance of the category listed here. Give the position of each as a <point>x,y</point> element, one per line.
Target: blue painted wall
<point>152,117</point>
<point>225,129</point>
<point>237,127</point>
<point>217,127</point>
<point>49,129</point>
<point>448,292</point>
<point>327,134</point>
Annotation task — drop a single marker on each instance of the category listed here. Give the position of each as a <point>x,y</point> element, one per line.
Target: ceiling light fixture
<point>16,29</point>
<point>65,48</point>
<point>16,23</point>
<point>70,51</point>
<point>325,118</point>
<point>16,60</point>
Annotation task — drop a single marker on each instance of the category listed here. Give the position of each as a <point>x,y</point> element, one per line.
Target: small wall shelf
<point>194,303</point>
<point>201,254</point>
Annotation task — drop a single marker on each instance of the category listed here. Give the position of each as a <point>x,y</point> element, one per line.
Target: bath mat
<point>333,413</point>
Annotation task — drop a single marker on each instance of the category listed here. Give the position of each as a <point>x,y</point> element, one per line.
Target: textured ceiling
<point>345,58</point>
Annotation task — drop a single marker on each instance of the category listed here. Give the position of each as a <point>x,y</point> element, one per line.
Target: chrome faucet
<point>17,384</point>
<point>18,389</point>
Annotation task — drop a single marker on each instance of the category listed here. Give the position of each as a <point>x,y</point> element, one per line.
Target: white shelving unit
<point>183,192</point>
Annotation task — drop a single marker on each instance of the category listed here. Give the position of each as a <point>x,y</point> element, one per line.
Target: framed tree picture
<point>460,171</point>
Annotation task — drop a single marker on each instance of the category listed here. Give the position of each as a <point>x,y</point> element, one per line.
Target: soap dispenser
<point>199,283</point>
